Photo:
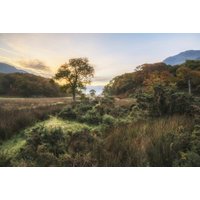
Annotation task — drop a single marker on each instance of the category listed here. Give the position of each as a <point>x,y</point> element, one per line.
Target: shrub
<point>188,159</point>
<point>105,105</point>
<point>108,120</point>
<point>92,117</point>
<point>53,147</point>
<point>80,142</point>
<point>137,114</point>
<point>43,146</point>
<point>119,111</point>
<point>180,103</point>
<point>82,108</point>
<point>67,113</point>
<point>5,161</point>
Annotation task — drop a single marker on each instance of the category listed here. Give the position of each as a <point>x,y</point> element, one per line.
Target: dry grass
<point>29,103</point>
<point>18,113</point>
<point>125,102</point>
<point>151,143</point>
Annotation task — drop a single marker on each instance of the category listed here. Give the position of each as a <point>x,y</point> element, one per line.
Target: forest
<point>147,118</point>
<point>28,85</point>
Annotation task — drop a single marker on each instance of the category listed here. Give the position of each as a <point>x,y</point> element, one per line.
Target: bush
<point>119,111</point>
<point>80,142</point>
<point>54,147</point>
<point>82,108</point>
<point>180,103</point>
<point>43,147</point>
<point>188,159</point>
<point>108,120</point>
<point>137,114</point>
<point>5,161</point>
<point>92,117</point>
<point>68,113</point>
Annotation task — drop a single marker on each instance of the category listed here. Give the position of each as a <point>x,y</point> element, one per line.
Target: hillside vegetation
<point>28,85</point>
<point>148,76</point>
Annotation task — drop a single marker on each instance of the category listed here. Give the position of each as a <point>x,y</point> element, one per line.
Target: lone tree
<point>92,92</point>
<point>76,74</point>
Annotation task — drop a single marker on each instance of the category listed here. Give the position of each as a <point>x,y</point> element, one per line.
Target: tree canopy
<point>75,74</point>
<point>186,77</point>
<point>28,85</point>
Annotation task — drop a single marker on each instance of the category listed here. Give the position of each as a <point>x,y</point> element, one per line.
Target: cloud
<point>34,64</point>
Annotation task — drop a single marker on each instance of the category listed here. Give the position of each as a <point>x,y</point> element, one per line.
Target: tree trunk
<point>189,86</point>
<point>74,95</point>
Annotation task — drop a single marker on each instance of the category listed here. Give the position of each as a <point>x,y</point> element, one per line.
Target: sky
<point>110,54</point>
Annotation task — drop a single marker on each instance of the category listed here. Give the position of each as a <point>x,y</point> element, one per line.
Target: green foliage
<point>188,159</point>
<point>108,120</point>
<point>4,159</point>
<point>165,101</point>
<point>76,74</point>
<point>56,147</point>
<point>137,114</point>
<point>92,117</point>
<point>68,113</point>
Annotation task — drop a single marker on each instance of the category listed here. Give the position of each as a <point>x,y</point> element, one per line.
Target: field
<point>30,103</point>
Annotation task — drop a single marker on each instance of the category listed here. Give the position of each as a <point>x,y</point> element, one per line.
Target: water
<point>97,88</point>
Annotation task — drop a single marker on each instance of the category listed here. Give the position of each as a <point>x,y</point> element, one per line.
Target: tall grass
<point>151,143</point>
<point>13,120</point>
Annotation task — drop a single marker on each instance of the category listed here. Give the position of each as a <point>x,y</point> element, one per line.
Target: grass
<point>29,103</point>
<point>19,113</point>
<point>146,143</point>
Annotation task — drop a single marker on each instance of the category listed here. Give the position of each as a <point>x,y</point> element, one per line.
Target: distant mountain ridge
<point>7,69</point>
<point>182,57</point>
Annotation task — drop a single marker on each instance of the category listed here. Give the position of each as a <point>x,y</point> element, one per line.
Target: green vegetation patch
<point>65,125</point>
<point>13,146</point>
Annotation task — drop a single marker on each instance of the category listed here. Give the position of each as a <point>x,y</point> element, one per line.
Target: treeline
<point>28,85</point>
<point>183,78</point>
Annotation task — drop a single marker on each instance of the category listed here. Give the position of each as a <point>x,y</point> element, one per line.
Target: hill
<point>149,76</point>
<point>6,68</point>
<point>182,57</point>
<point>28,85</point>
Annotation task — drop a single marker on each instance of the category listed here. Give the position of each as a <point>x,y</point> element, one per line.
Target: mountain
<point>7,69</point>
<point>182,57</point>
